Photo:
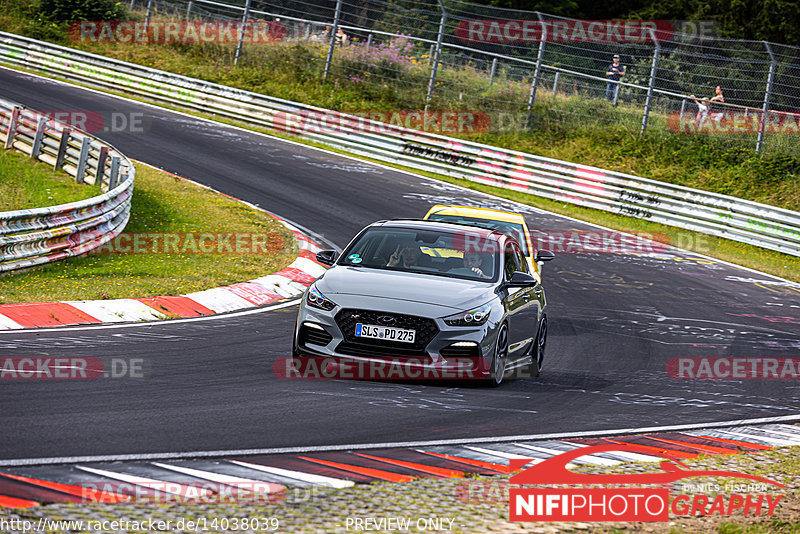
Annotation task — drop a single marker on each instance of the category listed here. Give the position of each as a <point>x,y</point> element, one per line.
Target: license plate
<point>389,333</point>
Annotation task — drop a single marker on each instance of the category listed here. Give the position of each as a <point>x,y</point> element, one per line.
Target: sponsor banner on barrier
<point>734,368</point>
<point>175,32</point>
<point>616,503</point>
<point>193,243</point>
<point>70,368</point>
<point>735,122</point>
<point>563,31</point>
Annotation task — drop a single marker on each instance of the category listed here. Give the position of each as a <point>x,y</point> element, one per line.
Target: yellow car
<point>509,223</point>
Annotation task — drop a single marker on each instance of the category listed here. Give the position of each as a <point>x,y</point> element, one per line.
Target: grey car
<point>413,299</point>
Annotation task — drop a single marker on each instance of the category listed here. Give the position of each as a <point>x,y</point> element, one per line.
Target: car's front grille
<point>315,336</point>
<point>347,319</point>
<point>460,351</point>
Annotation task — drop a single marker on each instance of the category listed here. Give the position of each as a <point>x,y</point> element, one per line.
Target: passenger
<point>407,254</point>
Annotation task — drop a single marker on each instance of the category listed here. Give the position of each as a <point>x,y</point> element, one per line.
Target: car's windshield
<point>423,251</point>
<point>515,230</point>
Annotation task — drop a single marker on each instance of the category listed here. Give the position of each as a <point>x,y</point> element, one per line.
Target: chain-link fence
<point>528,68</point>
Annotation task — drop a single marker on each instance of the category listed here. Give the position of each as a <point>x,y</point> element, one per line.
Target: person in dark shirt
<point>614,73</point>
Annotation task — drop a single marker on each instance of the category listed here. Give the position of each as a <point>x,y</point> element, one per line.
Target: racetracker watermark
<point>193,243</point>
<point>70,368</point>
<point>735,122</point>
<point>227,490</point>
<point>382,122</point>
<point>321,368</point>
<point>734,368</point>
<point>89,121</point>
<point>176,32</point>
<point>564,31</point>
<point>571,242</point>
<point>623,504</point>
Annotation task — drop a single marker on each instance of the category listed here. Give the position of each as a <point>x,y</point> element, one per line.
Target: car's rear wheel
<point>537,354</point>
<point>500,357</point>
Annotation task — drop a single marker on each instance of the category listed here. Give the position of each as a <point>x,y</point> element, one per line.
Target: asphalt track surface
<point>615,321</point>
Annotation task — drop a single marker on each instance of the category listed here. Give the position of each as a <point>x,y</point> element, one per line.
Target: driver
<point>473,266</point>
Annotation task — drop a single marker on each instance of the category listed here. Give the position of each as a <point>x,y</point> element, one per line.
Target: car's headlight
<point>473,317</point>
<point>316,299</point>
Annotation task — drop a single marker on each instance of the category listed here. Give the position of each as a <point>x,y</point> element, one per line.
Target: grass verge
<point>26,183</point>
<point>169,217</point>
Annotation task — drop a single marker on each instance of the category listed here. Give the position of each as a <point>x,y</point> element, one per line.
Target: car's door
<point>521,302</point>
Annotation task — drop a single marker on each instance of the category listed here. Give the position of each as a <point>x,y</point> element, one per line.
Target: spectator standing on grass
<point>718,97</point>
<point>614,73</point>
<point>702,110</point>
<point>341,37</point>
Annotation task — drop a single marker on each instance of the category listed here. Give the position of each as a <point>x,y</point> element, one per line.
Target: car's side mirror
<point>520,279</point>
<point>544,255</point>
<point>327,257</point>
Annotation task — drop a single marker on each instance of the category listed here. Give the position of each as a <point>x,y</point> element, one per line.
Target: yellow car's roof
<point>486,213</point>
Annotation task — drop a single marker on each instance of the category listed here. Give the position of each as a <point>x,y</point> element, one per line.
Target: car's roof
<point>421,224</point>
<point>471,211</point>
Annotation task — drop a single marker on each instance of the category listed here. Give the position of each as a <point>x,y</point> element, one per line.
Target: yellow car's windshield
<point>513,229</point>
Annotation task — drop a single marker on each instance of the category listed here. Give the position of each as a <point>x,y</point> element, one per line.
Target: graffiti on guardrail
<point>633,211</point>
<point>64,61</point>
<point>773,229</point>
<point>440,155</point>
<point>634,196</point>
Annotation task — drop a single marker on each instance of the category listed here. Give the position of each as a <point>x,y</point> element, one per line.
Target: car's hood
<point>428,289</point>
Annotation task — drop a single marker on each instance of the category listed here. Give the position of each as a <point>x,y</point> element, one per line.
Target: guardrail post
<point>84,155</point>
<point>539,55</point>
<point>555,83</point>
<point>650,88</point>
<point>767,93</point>
<point>493,71</point>
<point>436,56</point>
<point>37,137</point>
<point>12,126</point>
<point>62,148</point>
<point>101,166</point>
<point>332,36</point>
<point>245,17</point>
<point>113,176</point>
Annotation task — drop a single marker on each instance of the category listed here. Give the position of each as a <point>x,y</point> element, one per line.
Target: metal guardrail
<point>709,213</point>
<point>33,237</point>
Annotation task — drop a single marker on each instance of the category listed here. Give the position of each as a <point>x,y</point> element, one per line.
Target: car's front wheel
<point>500,357</point>
<point>537,354</point>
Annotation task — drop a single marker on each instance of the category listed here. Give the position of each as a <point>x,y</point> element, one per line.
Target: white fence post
<point>767,93</point>
<point>36,147</point>
<point>436,55</point>
<point>84,155</point>
<point>650,88</point>
<point>12,126</point>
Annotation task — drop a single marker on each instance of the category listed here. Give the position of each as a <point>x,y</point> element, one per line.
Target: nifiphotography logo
<point>591,503</point>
